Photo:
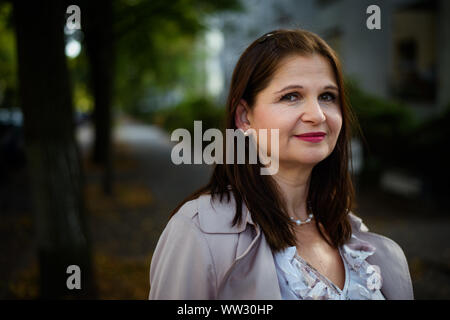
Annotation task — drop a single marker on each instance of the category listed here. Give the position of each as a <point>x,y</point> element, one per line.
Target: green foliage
<point>396,138</point>
<point>429,150</point>
<point>81,83</point>
<point>386,126</point>
<point>8,60</point>
<point>184,114</point>
<point>156,45</point>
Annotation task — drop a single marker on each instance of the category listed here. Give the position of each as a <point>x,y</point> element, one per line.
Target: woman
<point>290,235</point>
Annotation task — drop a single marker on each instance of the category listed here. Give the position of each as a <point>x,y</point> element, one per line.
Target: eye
<point>290,97</point>
<point>328,97</point>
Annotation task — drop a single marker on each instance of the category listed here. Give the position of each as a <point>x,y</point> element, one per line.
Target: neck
<point>294,185</point>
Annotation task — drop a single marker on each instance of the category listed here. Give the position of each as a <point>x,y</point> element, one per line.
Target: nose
<point>312,112</point>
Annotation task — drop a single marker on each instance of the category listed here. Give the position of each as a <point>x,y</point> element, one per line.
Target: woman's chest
<point>328,262</point>
<point>318,253</point>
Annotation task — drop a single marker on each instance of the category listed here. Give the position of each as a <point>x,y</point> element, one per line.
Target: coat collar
<point>356,223</point>
<point>216,216</point>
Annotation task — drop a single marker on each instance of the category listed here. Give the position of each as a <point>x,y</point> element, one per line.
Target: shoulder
<point>381,242</point>
<point>390,257</point>
<point>182,231</point>
<point>182,246</point>
<point>210,222</point>
<point>204,226</point>
<point>186,214</point>
<point>213,219</point>
<point>212,215</point>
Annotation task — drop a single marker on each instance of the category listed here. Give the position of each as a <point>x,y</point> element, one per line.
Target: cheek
<point>264,118</point>
<point>335,123</point>
<point>285,123</point>
<point>273,119</point>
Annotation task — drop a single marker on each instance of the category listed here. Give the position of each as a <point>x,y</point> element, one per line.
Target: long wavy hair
<point>331,192</point>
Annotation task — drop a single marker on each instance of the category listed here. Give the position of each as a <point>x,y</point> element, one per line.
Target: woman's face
<point>301,98</point>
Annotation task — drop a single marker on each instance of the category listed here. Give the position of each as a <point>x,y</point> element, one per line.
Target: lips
<point>312,134</point>
<point>314,137</point>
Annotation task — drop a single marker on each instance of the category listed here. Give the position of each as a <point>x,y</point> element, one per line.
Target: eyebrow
<point>296,86</point>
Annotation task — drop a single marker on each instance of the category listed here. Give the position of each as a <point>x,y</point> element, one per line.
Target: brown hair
<point>331,192</point>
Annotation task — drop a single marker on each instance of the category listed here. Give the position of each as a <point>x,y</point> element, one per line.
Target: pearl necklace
<point>300,222</point>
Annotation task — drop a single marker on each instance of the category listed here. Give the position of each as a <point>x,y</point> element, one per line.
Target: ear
<point>242,116</point>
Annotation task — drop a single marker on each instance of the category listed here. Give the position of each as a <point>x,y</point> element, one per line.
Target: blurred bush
<point>429,154</point>
<point>395,138</point>
<point>184,114</point>
<point>387,128</point>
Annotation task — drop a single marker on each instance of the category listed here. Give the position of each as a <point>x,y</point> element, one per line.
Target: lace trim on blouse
<point>299,280</point>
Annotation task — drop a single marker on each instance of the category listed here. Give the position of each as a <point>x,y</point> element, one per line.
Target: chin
<point>311,158</point>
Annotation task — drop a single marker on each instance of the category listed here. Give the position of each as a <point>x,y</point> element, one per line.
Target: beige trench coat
<point>200,256</point>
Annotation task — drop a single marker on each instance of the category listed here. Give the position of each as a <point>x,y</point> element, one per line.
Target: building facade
<point>407,59</point>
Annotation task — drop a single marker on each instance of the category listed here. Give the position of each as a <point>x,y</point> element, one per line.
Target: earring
<point>246,133</point>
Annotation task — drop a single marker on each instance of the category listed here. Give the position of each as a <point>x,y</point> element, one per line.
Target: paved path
<point>150,147</point>
<point>168,183</point>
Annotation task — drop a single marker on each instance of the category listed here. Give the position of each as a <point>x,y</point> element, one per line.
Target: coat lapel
<point>252,274</point>
<point>390,258</point>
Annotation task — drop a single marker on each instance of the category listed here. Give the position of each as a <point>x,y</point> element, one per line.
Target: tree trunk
<point>53,156</point>
<point>98,27</point>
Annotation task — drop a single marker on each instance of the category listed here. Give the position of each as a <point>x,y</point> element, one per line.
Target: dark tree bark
<point>98,28</point>
<point>53,157</point>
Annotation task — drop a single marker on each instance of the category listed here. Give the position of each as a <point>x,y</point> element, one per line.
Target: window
<point>414,54</point>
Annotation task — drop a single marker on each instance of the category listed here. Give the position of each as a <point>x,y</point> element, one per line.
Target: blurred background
<point>86,115</point>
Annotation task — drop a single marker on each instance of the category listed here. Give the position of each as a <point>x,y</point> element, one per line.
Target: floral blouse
<point>299,280</point>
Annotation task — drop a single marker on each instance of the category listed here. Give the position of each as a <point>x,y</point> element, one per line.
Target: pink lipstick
<point>312,136</point>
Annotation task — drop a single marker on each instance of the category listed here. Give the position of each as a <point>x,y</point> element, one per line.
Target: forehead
<point>297,69</point>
